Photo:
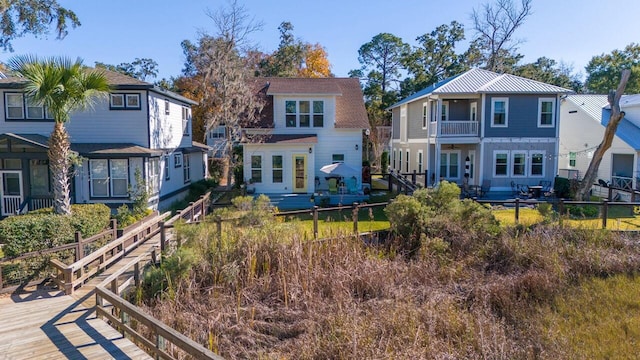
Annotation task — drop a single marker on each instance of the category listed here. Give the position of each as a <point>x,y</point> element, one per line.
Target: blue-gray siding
<point>522,119</point>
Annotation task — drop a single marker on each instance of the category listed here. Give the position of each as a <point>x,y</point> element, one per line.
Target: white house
<point>139,127</point>
<point>583,119</point>
<point>305,124</point>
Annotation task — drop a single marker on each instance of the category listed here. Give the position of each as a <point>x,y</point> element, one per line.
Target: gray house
<point>497,128</point>
<point>138,128</point>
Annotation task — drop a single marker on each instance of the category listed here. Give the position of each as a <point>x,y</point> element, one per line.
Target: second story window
<point>167,107</point>
<point>301,113</point>
<point>425,115</point>
<point>185,121</point>
<point>337,158</point>
<point>124,102</point>
<point>499,112</point>
<point>17,107</point>
<point>546,112</point>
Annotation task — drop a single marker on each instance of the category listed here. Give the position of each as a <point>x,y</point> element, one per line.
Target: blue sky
<point>118,31</point>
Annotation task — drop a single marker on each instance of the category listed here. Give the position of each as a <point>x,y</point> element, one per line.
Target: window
<point>450,164</point>
<point>167,160</point>
<point>318,114</point>
<point>537,163</point>
<point>186,168</point>
<point>444,114</point>
<point>256,168</point>
<point>400,160</point>
<point>433,110</point>
<point>217,133</point>
<point>39,177</point>
<point>394,159</point>
<point>519,163</point>
<point>300,113</point>
<point>34,111</point>
<point>154,175</point>
<point>499,112</point>
<point>420,161</point>
<point>500,163</point>
<point>572,159</point>
<point>425,115</point>
<point>337,158</point>
<point>546,112</point>
<point>406,161</point>
<point>185,121</point>
<point>167,107</point>
<point>109,178</point>
<point>124,102</point>
<point>14,109</point>
<point>177,160</point>
<point>473,111</point>
<point>276,168</point>
<point>305,114</point>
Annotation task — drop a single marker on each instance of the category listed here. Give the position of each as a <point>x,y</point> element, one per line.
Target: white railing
<point>40,203</point>
<point>454,128</point>
<point>11,204</point>
<point>622,182</point>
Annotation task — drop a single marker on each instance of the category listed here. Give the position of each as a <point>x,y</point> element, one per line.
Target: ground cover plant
<point>451,283</point>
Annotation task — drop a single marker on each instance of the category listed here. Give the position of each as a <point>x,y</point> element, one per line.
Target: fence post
<point>413,177</point>
<point>354,215</point>
<point>191,211</point>
<point>0,276</point>
<point>517,211</point>
<point>605,213</point>
<point>79,246</point>
<point>315,222</point>
<point>163,237</point>
<point>68,281</point>
<point>426,178</point>
<point>390,183</point>
<point>114,228</point>
<point>136,275</point>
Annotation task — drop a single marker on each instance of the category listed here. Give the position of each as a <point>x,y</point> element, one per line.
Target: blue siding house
<point>500,129</point>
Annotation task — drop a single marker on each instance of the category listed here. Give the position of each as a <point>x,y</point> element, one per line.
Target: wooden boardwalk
<point>46,324</point>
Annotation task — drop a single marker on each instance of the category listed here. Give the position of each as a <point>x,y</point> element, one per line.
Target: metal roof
<point>478,81</point>
<point>630,100</point>
<point>591,104</point>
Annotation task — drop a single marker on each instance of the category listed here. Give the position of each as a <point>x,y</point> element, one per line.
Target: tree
<point>316,63</point>
<point>495,25</point>
<point>20,17</point>
<point>614,119</point>
<point>139,68</point>
<point>549,71</point>
<point>223,73</point>
<point>61,86</point>
<point>602,70</point>
<point>435,59</point>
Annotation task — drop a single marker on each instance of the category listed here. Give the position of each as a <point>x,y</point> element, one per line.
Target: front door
<point>300,173</point>
<point>11,195</point>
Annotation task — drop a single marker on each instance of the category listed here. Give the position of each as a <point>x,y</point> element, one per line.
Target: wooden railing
<point>120,313</point>
<point>195,212</point>
<point>81,247</point>
<point>68,277</point>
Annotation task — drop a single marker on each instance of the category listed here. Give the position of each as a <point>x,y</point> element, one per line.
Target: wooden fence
<point>81,248</point>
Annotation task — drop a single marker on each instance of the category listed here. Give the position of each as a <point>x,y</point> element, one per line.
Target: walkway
<point>46,324</point>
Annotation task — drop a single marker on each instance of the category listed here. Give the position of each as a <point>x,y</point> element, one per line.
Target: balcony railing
<point>454,128</point>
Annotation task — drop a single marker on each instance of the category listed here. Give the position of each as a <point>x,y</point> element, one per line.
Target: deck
<point>46,324</point>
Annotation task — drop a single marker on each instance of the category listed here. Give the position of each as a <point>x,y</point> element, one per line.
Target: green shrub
<point>90,219</point>
<point>384,162</point>
<point>26,233</point>
<point>545,209</point>
<point>216,169</point>
<point>124,216</point>
<point>561,187</point>
<point>585,211</point>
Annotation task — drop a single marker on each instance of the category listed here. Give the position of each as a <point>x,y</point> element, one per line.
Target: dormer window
<point>124,102</point>
<point>304,113</point>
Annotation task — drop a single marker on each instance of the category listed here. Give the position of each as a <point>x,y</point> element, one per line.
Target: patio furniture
<point>535,191</point>
<point>514,188</point>
<point>546,185</point>
<point>523,191</point>
<point>485,187</point>
<point>352,185</point>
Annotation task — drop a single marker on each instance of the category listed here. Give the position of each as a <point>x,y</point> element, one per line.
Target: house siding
<point>522,117</point>
<point>166,129</point>
<point>414,121</point>
<point>395,124</point>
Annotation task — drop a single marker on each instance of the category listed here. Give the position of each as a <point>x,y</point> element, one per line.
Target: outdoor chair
<point>333,185</point>
<point>546,185</point>
<point>514,188</point>
<point>523,191</point>
<point>352,185</point>
<point>485,187</point>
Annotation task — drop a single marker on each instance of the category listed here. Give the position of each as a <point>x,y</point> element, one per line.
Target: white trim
<point>530,164</point>
<point>407,161</point>
<point>506,111</point>
<point>420,162</point>
<point>553,112</point>
<point>417,141</point>
<point>425,115</point>
<point>473,109</point>
<point>520,140</point>
<point>493,163</point>
<point>524,154</point>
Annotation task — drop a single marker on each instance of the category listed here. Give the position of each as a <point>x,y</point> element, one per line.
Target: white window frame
<point>425,115</point>
<point>186,168</point>
<point>137,101</point>
<point>506,111</point>
<point>553,112</point>
<point>111,176</point>
<point>448,154</point>
<point>399,161</point>
<point>495,163</point>
<point>512,160</point>
<point>185,121</point>
<point>122,101</point>
<point>407,161</point>
<point>530,163</point>
<point>167,107</point>
<point>312,114</point>
<point>444,111</point>
<point>319,115</point>
<point>167,163</point>
<point>274,169</point>
<point>433,111</point>
<point>335,158</point>
<point>29,106</point>
<point>420,160</point>
<point>92,177</point>
<point>177,160</point>
<point>573,157</point>
<point>6,105</point>
<point>124,98</point>
<point>154,175</point>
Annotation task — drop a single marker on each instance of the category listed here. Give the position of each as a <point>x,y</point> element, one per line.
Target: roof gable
<point>591,104</point>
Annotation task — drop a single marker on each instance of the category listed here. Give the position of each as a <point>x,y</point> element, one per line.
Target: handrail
<point>24,204</point>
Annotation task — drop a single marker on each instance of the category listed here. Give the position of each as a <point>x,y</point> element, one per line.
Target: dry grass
<point>268,292</point>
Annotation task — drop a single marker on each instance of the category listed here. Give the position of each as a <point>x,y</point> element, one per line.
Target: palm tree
<point>62,86</point>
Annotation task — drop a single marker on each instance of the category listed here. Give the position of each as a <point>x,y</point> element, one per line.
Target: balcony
<point>453,129</point>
